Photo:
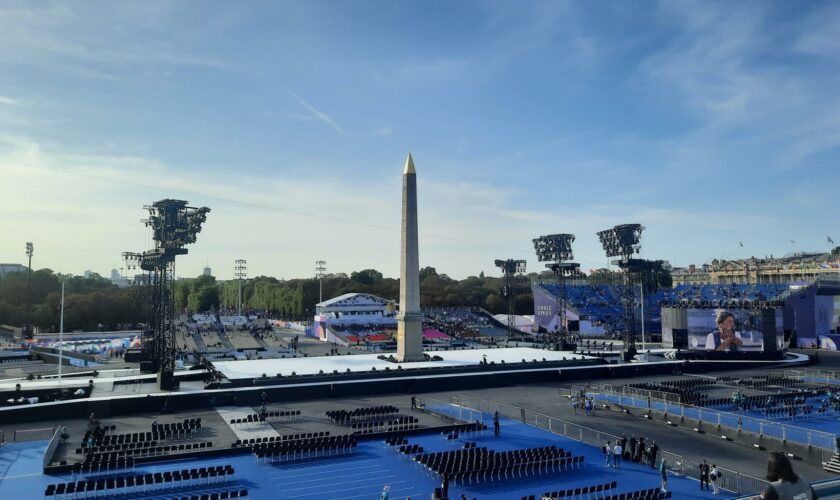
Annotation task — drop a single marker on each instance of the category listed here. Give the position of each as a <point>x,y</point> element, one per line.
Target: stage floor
<point>363,362</point>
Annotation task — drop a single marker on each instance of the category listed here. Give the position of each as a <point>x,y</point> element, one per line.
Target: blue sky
<point>708,122</point>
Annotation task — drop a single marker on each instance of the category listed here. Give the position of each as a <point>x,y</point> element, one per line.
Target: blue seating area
<point>362,472</point>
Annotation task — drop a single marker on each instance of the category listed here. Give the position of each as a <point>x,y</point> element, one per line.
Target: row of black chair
<point>474,459</point>
<point>130,437</point>
<point>596,489</point>
<point>345,417</point>
<point>142,483</point>
<point>396,441</point>
<point>112,464</point>
<point>519,469</point>
<point>287,437</point>
<point>222,495</point>
<point>405,419</point>
<point>116,447</point>
<point>411,449</point>
<point>269,416</point>
<point>178,429</point>
<point>305,448</point>
<point>390,428</point>
<point>148,452</point>
<point>216,495</point>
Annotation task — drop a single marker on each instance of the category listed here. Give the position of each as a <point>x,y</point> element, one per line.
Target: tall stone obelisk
<point>409,320</point>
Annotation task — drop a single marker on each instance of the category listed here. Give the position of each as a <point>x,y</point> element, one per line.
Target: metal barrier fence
<point>735,421</point>
<point>741,484</point>
<point>43,433</point>
<point>640,393</point>
<point>50,451</point>
<point>470,408</point>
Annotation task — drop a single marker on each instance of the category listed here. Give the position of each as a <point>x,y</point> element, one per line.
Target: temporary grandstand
<point>598,307</point>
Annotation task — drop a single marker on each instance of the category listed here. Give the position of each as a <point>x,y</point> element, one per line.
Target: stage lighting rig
<point>624,241</point>
<point>554,247</point>
<point>513,272</point>
<point>174,225</point>
<point>556,250</point>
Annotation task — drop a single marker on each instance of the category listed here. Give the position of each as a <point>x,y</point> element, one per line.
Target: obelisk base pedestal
<point>410,338</point>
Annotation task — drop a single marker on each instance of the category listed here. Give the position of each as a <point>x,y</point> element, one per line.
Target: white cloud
<point>8,100</point>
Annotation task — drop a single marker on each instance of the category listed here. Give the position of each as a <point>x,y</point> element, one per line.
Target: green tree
<point>366,276</point>
<point>426,272</point>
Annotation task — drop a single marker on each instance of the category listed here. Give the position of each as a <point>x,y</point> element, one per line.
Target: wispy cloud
<point>316,113</point>
<point>8,100</point>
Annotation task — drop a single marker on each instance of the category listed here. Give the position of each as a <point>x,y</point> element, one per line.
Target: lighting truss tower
<point>174,225</point>
<point>320,272</point>
<point>556,251</point>
<point>512,272</point>
<point>240,271</point>
<point>624,241</point>
<point>30,249</point>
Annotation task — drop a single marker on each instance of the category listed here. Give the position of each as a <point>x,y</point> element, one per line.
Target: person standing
<point>413,402</point>
<point>632,451</point>
<point>784,483</point>
<point>714,476</point>
<point>617,451</point>
<point>496,425</point>
<point>652,452</point>
<point>608,450</point>
<point>663,475</point>
<point>640,451</point>
<point>704,475</point>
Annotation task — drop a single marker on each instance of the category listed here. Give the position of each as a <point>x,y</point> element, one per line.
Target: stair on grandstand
<point>833,465</point>
<point>223,336</point>
<point>199,342</point>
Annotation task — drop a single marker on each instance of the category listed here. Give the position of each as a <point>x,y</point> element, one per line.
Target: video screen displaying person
<point>725,338</point>
<point>735,330</point>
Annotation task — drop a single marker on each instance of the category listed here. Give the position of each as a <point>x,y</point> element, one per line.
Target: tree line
<point>90,304</point>
<point>94,303</point>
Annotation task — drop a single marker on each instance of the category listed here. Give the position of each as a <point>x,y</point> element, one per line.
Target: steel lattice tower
<point>174,225</point>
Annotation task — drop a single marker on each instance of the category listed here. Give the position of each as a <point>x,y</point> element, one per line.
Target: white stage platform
<point>364,362</point>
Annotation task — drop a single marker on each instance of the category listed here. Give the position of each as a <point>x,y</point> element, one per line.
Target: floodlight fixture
<point>240,271</point>
<point>622,241</point>
<point>30,250</point>
<point>554,247</point>
<point>320,272</point>
<point>511,267</point>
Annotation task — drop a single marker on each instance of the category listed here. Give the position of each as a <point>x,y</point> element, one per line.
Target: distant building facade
<point>801,266</point>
